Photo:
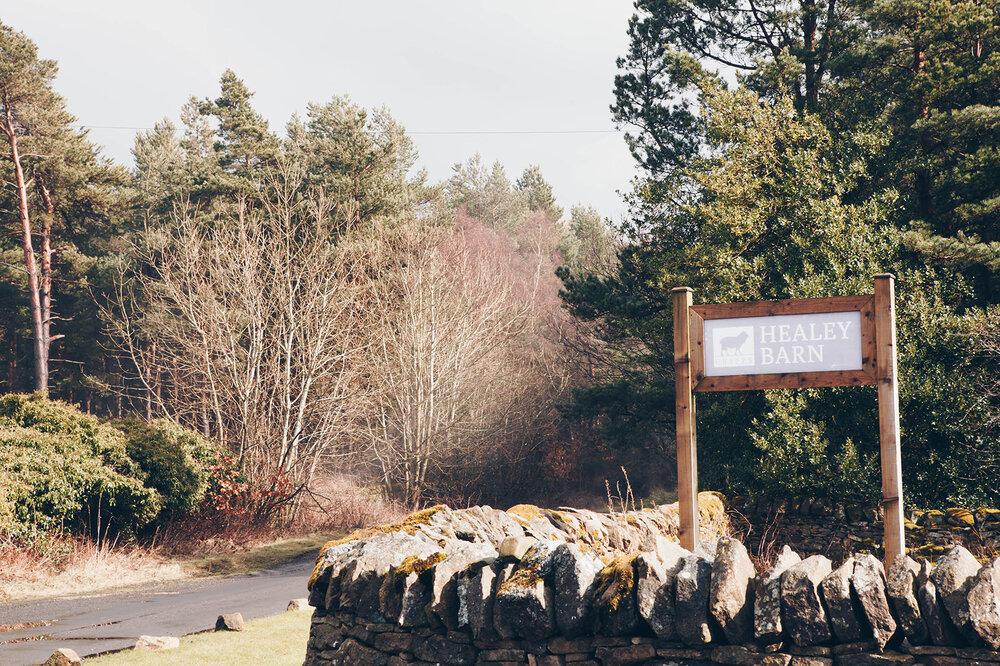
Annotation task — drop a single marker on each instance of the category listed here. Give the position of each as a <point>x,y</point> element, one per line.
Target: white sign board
<point>820,342</point>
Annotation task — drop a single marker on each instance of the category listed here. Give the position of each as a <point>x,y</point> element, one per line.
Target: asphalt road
<point>96,624</point>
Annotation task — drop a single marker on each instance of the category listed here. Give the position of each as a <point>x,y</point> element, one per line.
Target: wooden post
<point>687,447</point>
<point>888,415</point>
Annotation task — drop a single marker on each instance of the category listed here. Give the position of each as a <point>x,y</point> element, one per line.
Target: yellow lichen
<point>616,581</point>
<point>525,512</point>
<point>414,564</point>
<point>408,525</point>
<point>960,517</point>
<point>931,518</point>
<point>522,579</point>
<point>559,516</point>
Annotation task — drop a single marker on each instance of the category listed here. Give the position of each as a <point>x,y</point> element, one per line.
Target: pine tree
<point>244,144</point>
<point>539,192</point>
<point>361,158</point>
<point>65,193</point>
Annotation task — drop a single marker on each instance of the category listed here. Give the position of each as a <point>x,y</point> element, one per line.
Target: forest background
<point>285,309</point>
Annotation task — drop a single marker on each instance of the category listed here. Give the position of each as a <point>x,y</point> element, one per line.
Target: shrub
<point>62,466</point>
<point>173,461</point>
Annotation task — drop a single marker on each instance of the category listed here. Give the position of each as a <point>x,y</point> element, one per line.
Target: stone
<point>157,643</point>
<point>503,654</point>
<point>516,546</point>
<point>940,629</point>
<point>504,571</point>
<point>524,605</point>
<point>767,625</point>
<point>628,654</point>
<point>921,650</point>
<point>353,652</point>
<point>799,660</point>
<point>901,588</point>
<point>63,657</point>
<point>841,608</point>
<point>444,579</point>
<point>952,577</point>
<point>563,645</point>
<point>574,573</point>
<point>884,659</point>
<point>854,648</point>
<point>655,582</point>
<point>959,517</point>
<point>545,660</point>
<point>984,604</point>
<point>405,591</point>
<point>730,598</point>
<point>325,592</point>
<point>230,622</point>
<point>438,649</point>
<point>693,583</point>
<point>475,601</point>
<point>802,612</point>
<point>394,641</point>
<point>868,583</point>
<point>297,604</point>
<point>735,654</point>
<point>616,611</point>
<point>361,580</point>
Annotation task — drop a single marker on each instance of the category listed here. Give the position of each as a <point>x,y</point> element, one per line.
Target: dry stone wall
<point>817,526</point>
<point>531,586</point>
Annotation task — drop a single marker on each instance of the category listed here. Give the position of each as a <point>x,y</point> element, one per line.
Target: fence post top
<point>677,290</point>
<point>885,276</point>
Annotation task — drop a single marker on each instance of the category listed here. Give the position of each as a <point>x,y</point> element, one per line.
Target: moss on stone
<point>525,512</point>
<point>932,517</point>
<point>414,564</point>
<point>409,525</point>
<point>960,517</point>
<point>522,579</point>
<point>711,507</point>
<point>616,581</point>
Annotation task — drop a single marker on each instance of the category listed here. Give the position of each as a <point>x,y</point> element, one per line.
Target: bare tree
<point>259,324</point>
<point>458,391</point>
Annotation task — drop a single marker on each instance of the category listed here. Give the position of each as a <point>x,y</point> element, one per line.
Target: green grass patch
<point>261,557</point>
<point>268,641</point>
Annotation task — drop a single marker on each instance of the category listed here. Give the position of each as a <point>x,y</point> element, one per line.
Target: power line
<point>415,133</point>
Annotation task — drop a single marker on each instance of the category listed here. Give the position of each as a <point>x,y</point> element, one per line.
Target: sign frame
<point>878,367</point>
<point>738,382</point>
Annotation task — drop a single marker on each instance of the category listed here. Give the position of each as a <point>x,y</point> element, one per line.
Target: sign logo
<point>733,346</point>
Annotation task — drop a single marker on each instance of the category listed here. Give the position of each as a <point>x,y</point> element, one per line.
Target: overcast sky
<point>457,66</point>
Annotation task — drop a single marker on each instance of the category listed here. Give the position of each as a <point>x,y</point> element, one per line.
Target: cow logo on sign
<point>732,346</point>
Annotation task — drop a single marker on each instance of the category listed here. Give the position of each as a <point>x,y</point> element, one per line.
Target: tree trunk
<point>12,361</point>
<point>46,277</point>
<point>925,203</point>
<point>809,21</point>
<point>31,267</point>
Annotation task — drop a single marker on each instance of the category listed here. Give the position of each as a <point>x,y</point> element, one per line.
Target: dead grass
<point>195,547</point>
<point>278,640</point>
<point>79,566</point>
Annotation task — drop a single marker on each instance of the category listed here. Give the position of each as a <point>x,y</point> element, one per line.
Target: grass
<point>88,569</point>
<point>262,557</point>
<point>268,641</point>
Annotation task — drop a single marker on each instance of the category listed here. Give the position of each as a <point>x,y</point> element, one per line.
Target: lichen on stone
<point>960,517</point>
<point>525,512</point>
<point>616,581</point>
<point>522,579</point>
<point>409,525</point>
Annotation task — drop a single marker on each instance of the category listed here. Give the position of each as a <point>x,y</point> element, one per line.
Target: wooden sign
<point>838,341</point>
<point>783,344</point>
